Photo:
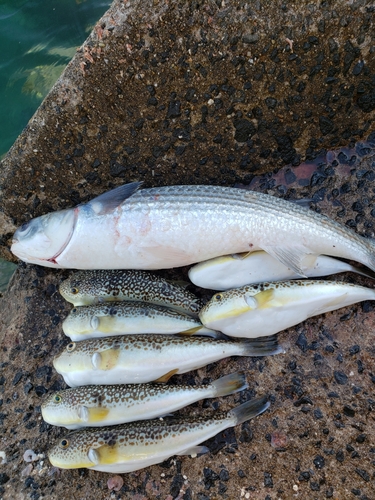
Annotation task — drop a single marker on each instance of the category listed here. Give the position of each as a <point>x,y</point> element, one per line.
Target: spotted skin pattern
<point>90,287</point>
<point>116,318</point>
<point>127,359</point>
<point>102,405</point>
<point>268,308</point>
<point>133,446</point>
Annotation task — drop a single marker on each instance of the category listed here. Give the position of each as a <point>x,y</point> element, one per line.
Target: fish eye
<point>70,347</point>
<point>24,227</point>
<point>74,310</point>
<point>74,290</point>
<point>57,398</point>
<point>218,296</point>
<point>64,443</point>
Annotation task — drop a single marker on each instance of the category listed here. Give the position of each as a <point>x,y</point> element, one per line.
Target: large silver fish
<point>120,318</point>
<point>135,359</point>
<point>92,287</point>
<point>99,405</point>
<point>265,309</point>
<point>133,446</point>
<point>174,226</point>
<point>234,271</point>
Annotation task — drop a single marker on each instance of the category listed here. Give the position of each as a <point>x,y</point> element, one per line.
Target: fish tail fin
<point>261,346</point>
<point>362,272</point>
<point>230,384</point>
<point>371,253</point>
<point>249,410</point>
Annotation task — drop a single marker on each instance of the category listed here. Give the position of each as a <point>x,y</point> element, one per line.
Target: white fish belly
<point>228,272</point>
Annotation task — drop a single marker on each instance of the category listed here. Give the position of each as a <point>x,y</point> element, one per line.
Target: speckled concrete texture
<point>273,95</point>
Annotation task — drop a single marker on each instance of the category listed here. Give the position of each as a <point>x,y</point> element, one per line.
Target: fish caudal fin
<point>367,274</point>
<point>262,346</point>
<point>371,256</point>
<point>249,410</point>
<point>230,384</point>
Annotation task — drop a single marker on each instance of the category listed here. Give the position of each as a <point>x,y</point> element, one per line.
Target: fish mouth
<point>53,260</point>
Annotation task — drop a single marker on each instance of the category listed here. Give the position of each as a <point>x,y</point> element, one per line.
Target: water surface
<point>37,40</point>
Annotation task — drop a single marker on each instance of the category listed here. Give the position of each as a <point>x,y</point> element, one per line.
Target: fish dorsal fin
<point>109,201</point>
<point>194,451</point>
<point>166,377</point>
<point>83,413</point>
<point>291,256</point>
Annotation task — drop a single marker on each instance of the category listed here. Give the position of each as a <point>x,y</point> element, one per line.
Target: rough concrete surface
<point>278,96</point>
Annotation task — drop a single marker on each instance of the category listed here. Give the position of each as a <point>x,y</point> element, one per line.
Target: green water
<point>37,40</point>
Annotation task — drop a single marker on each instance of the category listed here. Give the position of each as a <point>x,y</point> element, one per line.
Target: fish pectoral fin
<point>191,331</point>
<point>108,202</point>
<point>264,298</point>
<point>93,456</point>
<point>166,377</point>
<point>291,257</point>
<point>194,451</point>
<point>83,413</point>
<point>105,360</point>
<point>96,414</point>
<point>337,301</point>
<point>107,454</point>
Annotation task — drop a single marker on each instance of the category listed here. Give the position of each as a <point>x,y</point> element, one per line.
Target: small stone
<point>354,349</point>
<point>348,411</point>
<point>250,38</point>
<point>174,109</point>
<point>326,125</point>
<point>364,474</point>
<point>27,470</point>
<point>244,129</point>
<point>27,387</point>
<point>279,440</point>
<point>40,390</point>
<point>4,478</point>
<point>30,456</point>
<point>115,483</point>
<point>224,475</point>
<point>340,377</point>
<point>361,438</point>
<point>319,462</point>
<point>318,413</point>
<point>17,378</point>
<point>268,482</point>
